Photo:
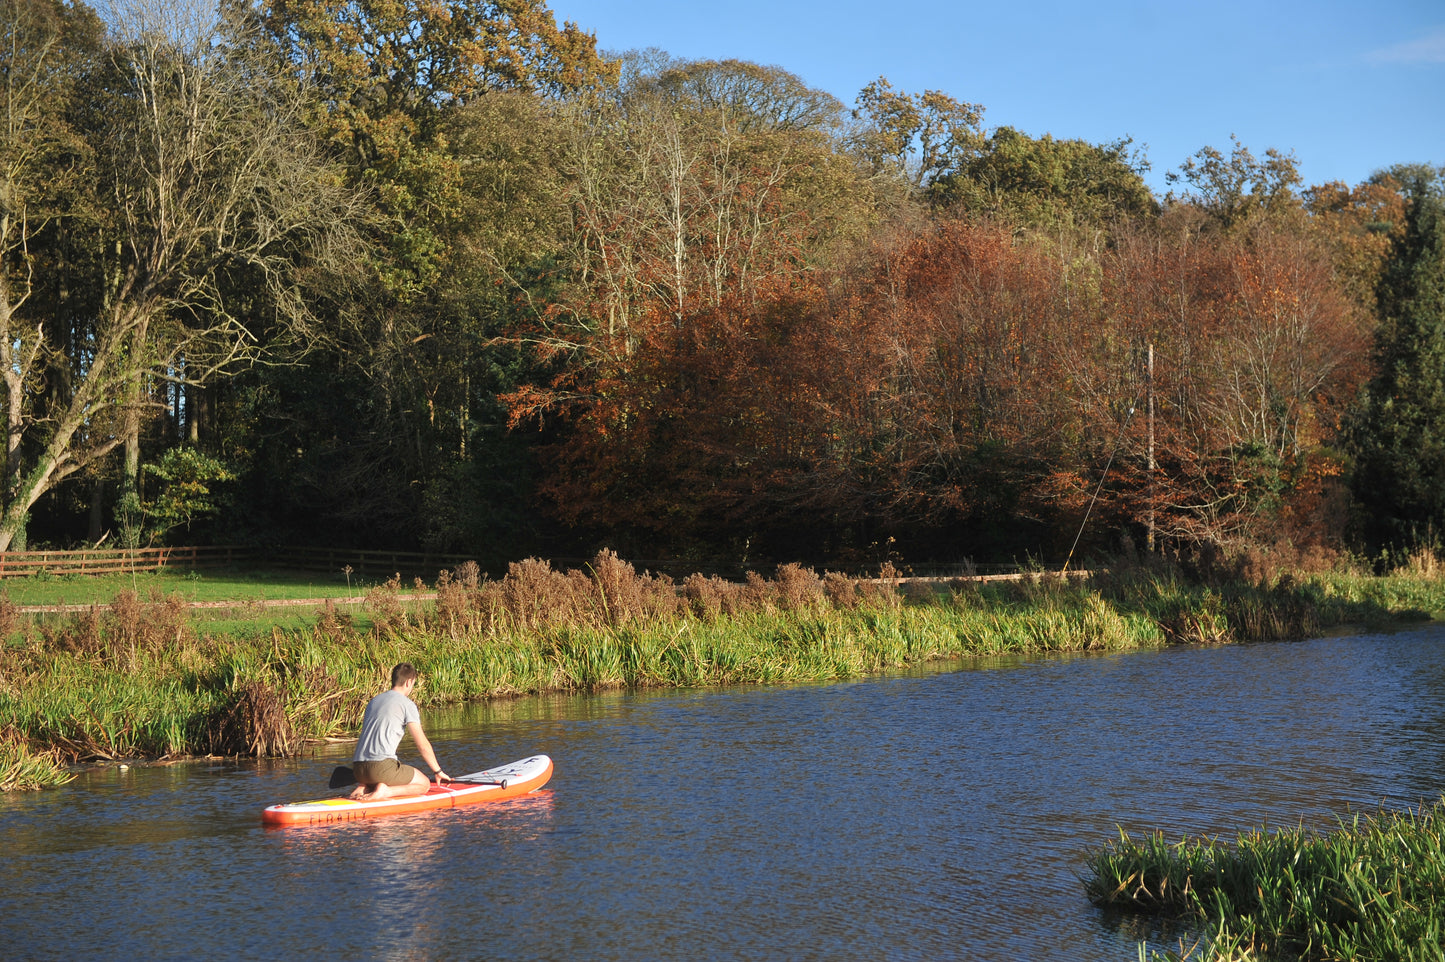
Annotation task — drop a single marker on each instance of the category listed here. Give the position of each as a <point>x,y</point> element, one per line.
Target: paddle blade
<point>341,777</point>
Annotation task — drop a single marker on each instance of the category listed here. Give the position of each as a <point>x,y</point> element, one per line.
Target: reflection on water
<point>933,815</point>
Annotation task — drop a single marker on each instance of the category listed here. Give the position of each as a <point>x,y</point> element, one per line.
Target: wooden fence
<point>371,564</point>
<point>337,561</point>
<point>22,564</point>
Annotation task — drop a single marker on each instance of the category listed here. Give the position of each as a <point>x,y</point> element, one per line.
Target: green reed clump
<point>1350,596</point>
<point>1372,889</point>
<point>1047,613</point>
<point>1233,606</point>
<point>85,710</point>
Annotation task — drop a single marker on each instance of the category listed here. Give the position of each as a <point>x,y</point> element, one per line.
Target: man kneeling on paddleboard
<point>388,716</point>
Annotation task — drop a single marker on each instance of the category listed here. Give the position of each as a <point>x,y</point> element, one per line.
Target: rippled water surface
<point>937,815</point>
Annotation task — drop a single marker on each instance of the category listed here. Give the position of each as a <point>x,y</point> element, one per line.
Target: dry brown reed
<point>383,603</point>
<point>622,595</point>
<point>119,633</point>
<point>1193,627</point>
<point>318,705</point>
<point>711,597</point>
<point>533,595</point>
<point>841,590</point>
<point>883,590</point>
<point>799,588</point>
<point>1265,565</point>
<point>12,620</point>
<point>611,592</point>
<point>331,621</point>
<point>457,610</point>
<point>254,723</point>
<point>1423,563</point>
<point>920,592</point>
<point>707,597</point>
<point>80,635</point>
<point>756,594</point>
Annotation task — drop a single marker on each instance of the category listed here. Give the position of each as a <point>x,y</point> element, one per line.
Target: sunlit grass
<point>195,586</point>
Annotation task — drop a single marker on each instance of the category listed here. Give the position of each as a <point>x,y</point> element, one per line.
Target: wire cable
<point>1100,486</point>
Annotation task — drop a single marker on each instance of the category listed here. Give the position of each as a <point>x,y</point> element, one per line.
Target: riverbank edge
<point>106,693</point>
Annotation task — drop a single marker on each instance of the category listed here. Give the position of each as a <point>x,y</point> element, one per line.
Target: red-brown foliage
<point>958,375</point>
<point>1256,353</point>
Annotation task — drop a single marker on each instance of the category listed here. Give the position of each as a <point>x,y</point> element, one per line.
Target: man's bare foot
<point>375,793</point>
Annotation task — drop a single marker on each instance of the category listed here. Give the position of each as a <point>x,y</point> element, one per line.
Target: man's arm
<point>428,755</point>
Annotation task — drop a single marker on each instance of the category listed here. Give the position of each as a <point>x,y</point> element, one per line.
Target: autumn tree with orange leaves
<point>706,197</point>
<point>1257,352</point>
<point>959,325</point>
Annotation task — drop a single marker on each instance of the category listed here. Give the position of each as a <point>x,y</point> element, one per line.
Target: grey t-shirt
<point>383,724</point>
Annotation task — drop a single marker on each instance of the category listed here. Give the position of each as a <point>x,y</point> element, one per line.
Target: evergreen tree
<point>1399,438</point>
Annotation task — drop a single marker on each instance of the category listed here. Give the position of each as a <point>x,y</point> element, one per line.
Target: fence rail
<point>22,564</point>
<point>368,563</point>
<point>374,564</point>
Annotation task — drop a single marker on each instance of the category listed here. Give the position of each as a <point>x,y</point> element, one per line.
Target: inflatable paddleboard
<point>492,785</point>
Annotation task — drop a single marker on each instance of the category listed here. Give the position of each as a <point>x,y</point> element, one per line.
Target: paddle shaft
<point>501,783</point>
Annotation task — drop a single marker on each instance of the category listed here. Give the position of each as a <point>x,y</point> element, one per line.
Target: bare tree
<point>215,196</point>
<point>696,184</point>
<point>41,157</point>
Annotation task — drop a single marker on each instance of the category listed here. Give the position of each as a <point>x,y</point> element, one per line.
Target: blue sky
<point>1349,87</point>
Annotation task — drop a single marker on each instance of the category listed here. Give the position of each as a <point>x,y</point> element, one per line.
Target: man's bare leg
<point>417,786</point>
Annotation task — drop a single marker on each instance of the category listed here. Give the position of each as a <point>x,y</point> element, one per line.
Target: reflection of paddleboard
<point>492,785</point>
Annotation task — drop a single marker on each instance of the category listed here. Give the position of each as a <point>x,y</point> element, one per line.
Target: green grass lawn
<point>247,590</point>
<point>194,586</point>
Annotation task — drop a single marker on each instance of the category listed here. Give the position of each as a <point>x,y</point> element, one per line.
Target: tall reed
<point>22,768</point>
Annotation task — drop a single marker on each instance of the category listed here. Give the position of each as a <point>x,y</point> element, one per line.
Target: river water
<point>939,814</point>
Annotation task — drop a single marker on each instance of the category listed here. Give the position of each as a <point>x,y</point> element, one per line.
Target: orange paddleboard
<point>492,785</point>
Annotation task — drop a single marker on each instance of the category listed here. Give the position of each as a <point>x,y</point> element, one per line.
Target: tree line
<point>446,276</point>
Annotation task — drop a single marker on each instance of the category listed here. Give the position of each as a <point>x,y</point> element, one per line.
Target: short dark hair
<point>402,674</point>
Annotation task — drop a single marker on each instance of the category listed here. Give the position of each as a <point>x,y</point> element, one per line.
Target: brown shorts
<point>387,771</point>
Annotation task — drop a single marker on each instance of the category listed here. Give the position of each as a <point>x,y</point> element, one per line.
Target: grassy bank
<point>134,679</point>
<point>1372,889</point>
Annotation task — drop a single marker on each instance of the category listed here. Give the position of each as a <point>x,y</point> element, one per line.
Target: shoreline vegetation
<point>1374,888</point>
<point>137,680</point>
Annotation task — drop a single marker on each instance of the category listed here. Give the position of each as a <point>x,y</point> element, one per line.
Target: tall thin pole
<point>1149,378</point>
